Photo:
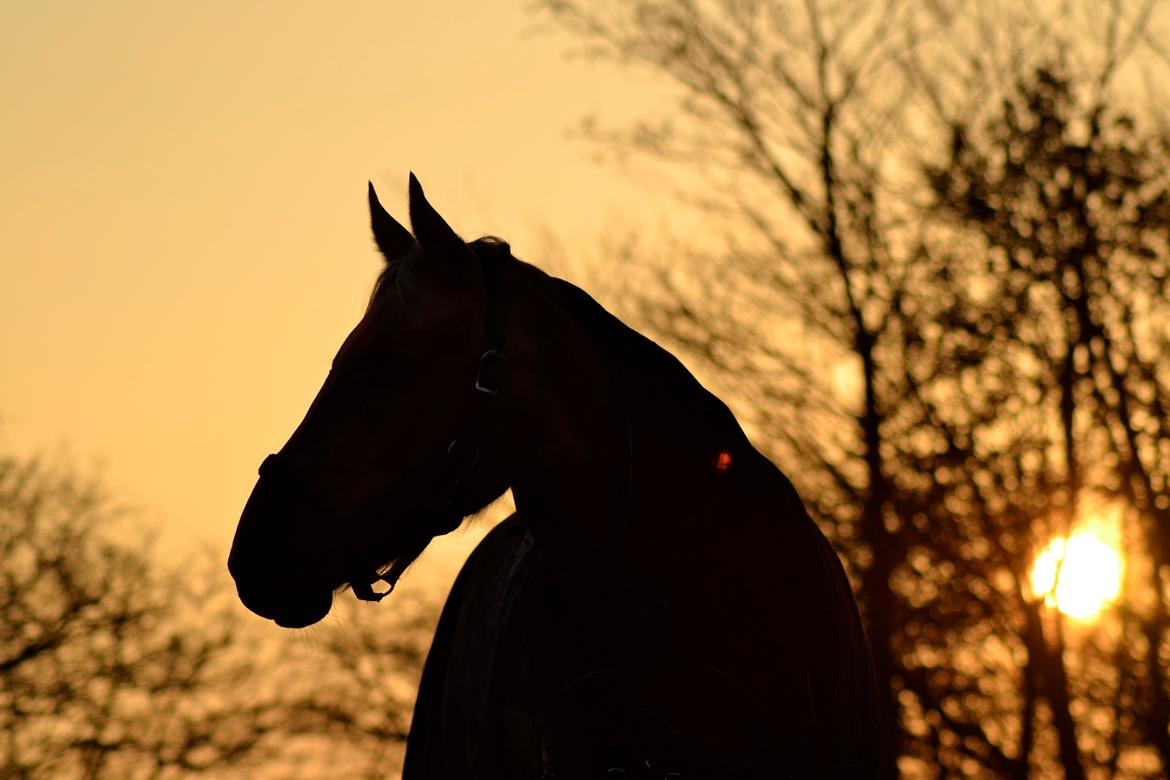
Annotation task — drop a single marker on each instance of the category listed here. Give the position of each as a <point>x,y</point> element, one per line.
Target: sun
<point>1078,576</point>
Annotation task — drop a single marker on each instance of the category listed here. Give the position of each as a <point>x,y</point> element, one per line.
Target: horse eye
<point>388,367</point>
<point>373,366</point>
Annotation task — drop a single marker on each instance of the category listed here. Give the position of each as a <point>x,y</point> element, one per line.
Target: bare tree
<point>1069,202</point>
<point>354,687</point>
<point>115,665</point>
<point>839,318</point>
<point>99,676</point>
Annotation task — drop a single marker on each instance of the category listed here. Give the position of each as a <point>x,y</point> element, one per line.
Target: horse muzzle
<point>287,609</point>
<point>280,573</point>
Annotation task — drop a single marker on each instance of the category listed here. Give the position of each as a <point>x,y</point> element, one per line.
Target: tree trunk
<point>1056,679</point>
<point>878,596</point>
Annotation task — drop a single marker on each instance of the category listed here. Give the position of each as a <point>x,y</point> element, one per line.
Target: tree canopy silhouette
<point>937,290</point>
<point>115,664</point>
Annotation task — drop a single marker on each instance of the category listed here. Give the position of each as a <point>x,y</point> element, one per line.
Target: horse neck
<point>654,454</point>
<point>694,468</point>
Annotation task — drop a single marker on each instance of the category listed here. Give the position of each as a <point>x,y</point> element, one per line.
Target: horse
<point>660,605</point>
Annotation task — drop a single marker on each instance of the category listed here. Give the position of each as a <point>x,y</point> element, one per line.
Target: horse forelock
<point>401,276</point>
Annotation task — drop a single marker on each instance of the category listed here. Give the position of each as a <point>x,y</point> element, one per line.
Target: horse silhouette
<point>660,605</point>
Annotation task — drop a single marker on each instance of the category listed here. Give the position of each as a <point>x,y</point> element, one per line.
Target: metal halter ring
<point>491,372</point>
<point>463,456</point>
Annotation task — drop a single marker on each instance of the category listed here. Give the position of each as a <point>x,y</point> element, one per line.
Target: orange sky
<point>185,238</point>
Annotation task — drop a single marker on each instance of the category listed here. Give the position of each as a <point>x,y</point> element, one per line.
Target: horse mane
<point>635,352</point>
<point>404,269</point>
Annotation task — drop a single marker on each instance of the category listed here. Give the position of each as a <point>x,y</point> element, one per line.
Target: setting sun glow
<point>1078,576</point>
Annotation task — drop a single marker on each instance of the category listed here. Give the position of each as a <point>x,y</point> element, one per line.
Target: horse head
<point>400,442</point>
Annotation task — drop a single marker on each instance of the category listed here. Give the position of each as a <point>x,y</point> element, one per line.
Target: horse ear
<point>435,236</point>
<point>392,239</point>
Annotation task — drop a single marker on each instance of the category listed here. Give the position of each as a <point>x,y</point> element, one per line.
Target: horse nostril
<point>289,608</point>
<point>257,595</point>
<point>306,612</point>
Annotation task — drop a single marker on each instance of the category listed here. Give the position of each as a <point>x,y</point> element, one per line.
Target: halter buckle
<point>491,372</point>
<point>365,590</point>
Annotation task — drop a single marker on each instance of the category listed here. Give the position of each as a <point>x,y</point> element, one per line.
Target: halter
<point>457,465</point>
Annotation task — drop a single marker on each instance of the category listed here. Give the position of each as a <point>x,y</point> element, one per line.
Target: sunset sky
<point>185,238</point>
<point>925,259</point>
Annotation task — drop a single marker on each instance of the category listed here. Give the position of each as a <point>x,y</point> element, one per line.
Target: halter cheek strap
<point>463,453</point>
